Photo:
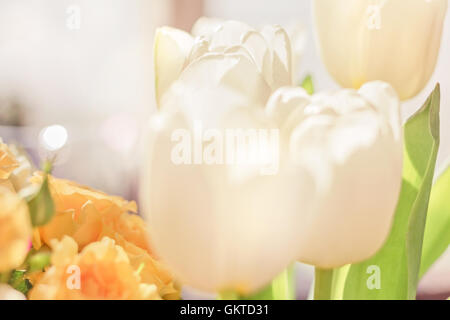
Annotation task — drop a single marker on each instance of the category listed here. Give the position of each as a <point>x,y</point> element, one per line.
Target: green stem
<point>281,288</point>
<point>229,295</point>
<point>323,282</point>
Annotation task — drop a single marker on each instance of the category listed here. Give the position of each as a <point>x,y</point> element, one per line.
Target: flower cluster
<point>328,204</point>
<point>15,225</point>
<point>99,234</point>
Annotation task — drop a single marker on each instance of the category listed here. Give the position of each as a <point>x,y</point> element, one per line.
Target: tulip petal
<point>172,47</point>
<point>281,69</point>
<point>383,97</point>
<point>284,102</point>
<point>297,34</point>
<point>258,47</point>
<point>215,84</point>
<point>228,34</point>
<point>221,35</point>
<point>205,26</point>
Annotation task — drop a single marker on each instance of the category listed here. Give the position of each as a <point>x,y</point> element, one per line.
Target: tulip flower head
<point>350,142</point>
<point>394,41</point>
<point>266,52</point>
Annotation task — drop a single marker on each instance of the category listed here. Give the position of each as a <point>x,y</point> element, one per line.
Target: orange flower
<point>7,165</point>
<point>7,161</point>
<point>20,177</point>
<point>15,169</point>
<point>102,270</point>
<point>87,216</point>
<point>151,270</point>
<point>15,230</point>
<point>69,195</point>
<point>83,213</point>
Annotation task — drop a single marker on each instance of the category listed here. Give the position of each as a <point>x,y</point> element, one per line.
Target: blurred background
<point>76,80</point>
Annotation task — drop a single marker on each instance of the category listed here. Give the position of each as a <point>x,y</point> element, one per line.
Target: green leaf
<point>41,205</point>
<point>399,260</point>
<point>19,282</point>
<point>281,288</point>
<point>437,229</point>
<point>308,84</point>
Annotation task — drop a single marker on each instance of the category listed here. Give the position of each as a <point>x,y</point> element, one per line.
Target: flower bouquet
<point>246,170</point>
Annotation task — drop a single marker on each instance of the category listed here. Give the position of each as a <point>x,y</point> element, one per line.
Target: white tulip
<point>351,144</point>
<point>268,50</point>
<point>390,40</point>
<point>8,293</point>
<point>221,226</point>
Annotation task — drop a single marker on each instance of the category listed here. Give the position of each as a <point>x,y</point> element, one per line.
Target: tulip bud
<point>393,41</point>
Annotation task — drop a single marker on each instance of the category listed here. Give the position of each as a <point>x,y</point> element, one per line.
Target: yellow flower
<point>104,272</point>
<point>69,195</point>
<point>88,216</point>
<point>7,161</point>
<point>82,213</point>
<point>15,230</point>
<point>5,183</point>
<point>20,176</point>
<point>150,270</point>
<point>15,168</point>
